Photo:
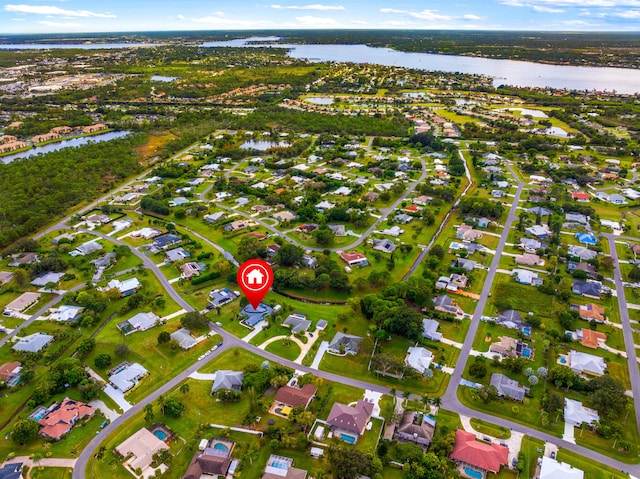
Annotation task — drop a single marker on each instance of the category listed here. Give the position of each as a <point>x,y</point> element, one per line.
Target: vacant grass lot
<point>484,427</point>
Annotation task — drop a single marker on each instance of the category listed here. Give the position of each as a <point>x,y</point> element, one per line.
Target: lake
<point>263,145</point>
<point>504,72</point>
<point>80,46</point>
<point>162,78</point>
<point>320,100</point>
<point>111,135</point>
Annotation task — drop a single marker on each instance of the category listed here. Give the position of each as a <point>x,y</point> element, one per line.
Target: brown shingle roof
<point>294,397</point>
<point>352,419</point>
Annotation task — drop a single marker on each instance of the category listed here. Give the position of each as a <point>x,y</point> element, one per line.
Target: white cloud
<point>392,10</point>
<point>18,20</point>
<point>218,20</point>
<point>319,22</point>
<point>572,3</point>
<point>181,17</point>
<point>628,14</point>
<point>542,9</point>
<point>470,16</point>
<point>60,25</point>
<point>54,11</point>
<point>308,7</point>
<point>430,15</point>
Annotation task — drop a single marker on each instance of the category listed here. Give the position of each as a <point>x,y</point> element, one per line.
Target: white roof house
<point>128,377</point>
<point>418,358</point>
<point>33,343</point>
<point>184,338</point>
<point>586,363</point>
<point>88,248</point>
<point>552,469</point>
<point>65,313</point>
<point>22,302</point>
<point>575,413</point>
<point>143,321</point>
<point>45,279</point>
<point>125,287</point>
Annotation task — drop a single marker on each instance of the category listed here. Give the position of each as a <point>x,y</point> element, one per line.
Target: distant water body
<point>503,72</point>
<point>49,147</point>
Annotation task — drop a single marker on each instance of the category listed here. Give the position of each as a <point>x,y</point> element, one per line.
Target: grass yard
<point>591,468</point>
<point>529,448</point>
<point>41,472</point>
<point>489,429</point>
<point>284,348</point>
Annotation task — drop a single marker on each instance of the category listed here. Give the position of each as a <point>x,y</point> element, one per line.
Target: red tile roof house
<point>347,422</point>
<point>474,456</point>
<point>62,419</point>
<point>354,259</point>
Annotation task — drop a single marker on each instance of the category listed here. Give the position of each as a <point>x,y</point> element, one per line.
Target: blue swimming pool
<point>160,434</point>
<point>563,360</point>
<point>220,446</point>
<point>347,438</point>
<point>526,353</point>
<point>527,330</point>
<point>279,465</point>
<point>472,473</point>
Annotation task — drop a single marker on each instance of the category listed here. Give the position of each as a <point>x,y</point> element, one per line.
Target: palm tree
<point>425,401</point>
<point>162,401</point>
<point>406,395</point>
<point>437,402</point>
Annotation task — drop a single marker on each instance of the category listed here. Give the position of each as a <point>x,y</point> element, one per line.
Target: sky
<point>70,16</point>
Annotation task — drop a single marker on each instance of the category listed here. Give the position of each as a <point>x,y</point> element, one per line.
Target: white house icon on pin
<point>254,276</point>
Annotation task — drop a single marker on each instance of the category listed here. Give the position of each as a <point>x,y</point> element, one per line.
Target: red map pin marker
<point>255,278</point>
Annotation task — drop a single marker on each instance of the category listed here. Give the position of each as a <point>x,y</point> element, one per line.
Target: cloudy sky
<point>45,16</point>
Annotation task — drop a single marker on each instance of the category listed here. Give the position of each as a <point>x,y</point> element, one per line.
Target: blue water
<point>220,446</point>
<point>263,145</point>
<point>278,464</point>
<point>160,434</point>
<point>526,353</point>
<point>111,135</point>
<point>526,331</point>
<point>563,361</point>
<point>349,439</point>
<point>162,78</point>
<point>472,473</point>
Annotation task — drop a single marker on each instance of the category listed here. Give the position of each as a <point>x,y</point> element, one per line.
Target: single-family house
<point>590,312</point>
<point>23,259</point>
<point>552,469</point>
<point>139,449</point>
<point>238,225</point>
<point>87,248</point>
<point>21,303</point>
<point>190,269</point>
<point>576,414</point>
<point>66,313</point>
<point>585,363</point>
<point>524,276</point>
<point>511,347</point>
<point>226,379</point>
<point>418,358</point>
<point>384,245</point>
<point>592,339</point>
<point>468,233</point>
<point>529,245</point>
<point>297,322</point>
<point>177,254</point>
<point>529,259</point>
<point>577,218</point>
<point>5,277</point>
<point>291,396</point>
<point>184,338</point>
<point>126,287</point>
<point>13,470</point>
<point>343,343</point>
<point>218,297</point>
<point>430,329</point>
<point>280,467</point>
<point>478,458</point>
<point>588,289</point>
<point>126,376</point>
<point>214,217</point>
<point>417,428</point>
<point>353,258</point>
<point>507,387</point>
<point>49,278</point>
<point>213,459</point>
<point>349,422</point>
<point>139,322</point>
<point>338,230</point>
<point>285,216</point>
<point>10,373</point>
<point>539,231</point>
<point>587,238</point>
<point>582,253</point>
<point>325,206</point>
<point>165,241</point>
<point>33,343</point>
<point>59,421</point>
<point>445,304</point>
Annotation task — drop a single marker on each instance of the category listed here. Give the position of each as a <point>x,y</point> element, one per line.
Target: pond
<point>263,145</point>
<point>41,150</point>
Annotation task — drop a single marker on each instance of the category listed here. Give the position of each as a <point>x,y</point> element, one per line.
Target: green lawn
<point>284,348</point>
<point>484,427</point>
<point>529,448</point>
<point>591,468</point>
<point>41,472</point>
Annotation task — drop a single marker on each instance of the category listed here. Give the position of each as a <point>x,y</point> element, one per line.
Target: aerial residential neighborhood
<point>455,274</point>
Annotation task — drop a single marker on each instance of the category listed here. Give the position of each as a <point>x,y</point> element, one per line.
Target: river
<point>504,72</point>
<point>48,148</point>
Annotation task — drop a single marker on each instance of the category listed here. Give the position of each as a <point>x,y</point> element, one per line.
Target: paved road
<point>383,216</point>
<point>450,396</point>
<point>425,251</point>
<point>626,328</point>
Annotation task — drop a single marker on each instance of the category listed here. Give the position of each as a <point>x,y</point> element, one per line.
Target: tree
<point>289,255</point>
<point>552,401</point>
<point>24,431</point>
<point>174,407</point>
<point>148,413</point>
<point>607,395</point>
<point>89,389</point>
<point>478,368</point>
<point>348,463</point>
<point>122,350</point>
<point>542,372</point>
<point>85,347</point>
<point>195,321</point>
<point>102,360</point>
<point>533,380</point>
<point>324,236</point>
<point>437,251</point>
<point>184,389</point>
<point>428,374</point>
<point>164,337</point>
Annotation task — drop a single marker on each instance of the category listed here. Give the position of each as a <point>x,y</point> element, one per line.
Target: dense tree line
<point>33,191</point>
